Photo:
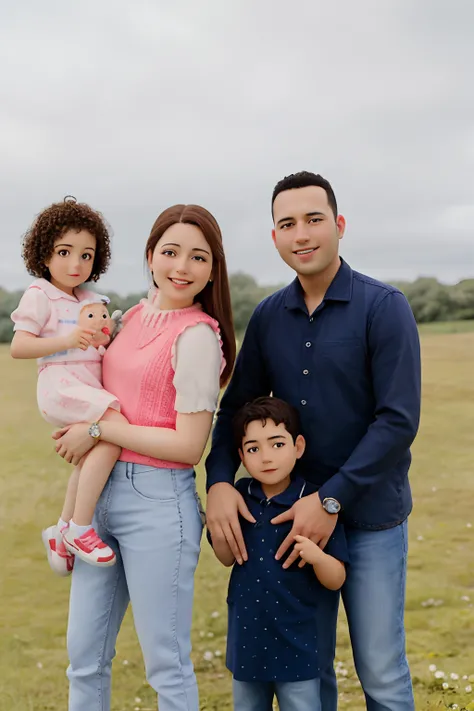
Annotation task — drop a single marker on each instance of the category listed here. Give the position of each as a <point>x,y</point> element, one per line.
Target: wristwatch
<point>94,431</point>
<point>332,506</point>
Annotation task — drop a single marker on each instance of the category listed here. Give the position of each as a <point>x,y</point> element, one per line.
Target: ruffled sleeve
<point>32,312</point>
<point>198,365</point>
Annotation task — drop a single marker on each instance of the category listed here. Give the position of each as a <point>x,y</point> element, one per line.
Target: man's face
<point>306,233</point>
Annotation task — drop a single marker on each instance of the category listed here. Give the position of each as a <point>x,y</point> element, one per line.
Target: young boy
<point>281,622</point>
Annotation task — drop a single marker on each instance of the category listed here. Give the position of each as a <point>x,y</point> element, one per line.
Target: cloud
<point>133,107</point>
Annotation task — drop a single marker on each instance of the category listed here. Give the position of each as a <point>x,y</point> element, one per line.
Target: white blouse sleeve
<point>197,364</point>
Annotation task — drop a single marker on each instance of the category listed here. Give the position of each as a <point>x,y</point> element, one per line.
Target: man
<point>344,349</point>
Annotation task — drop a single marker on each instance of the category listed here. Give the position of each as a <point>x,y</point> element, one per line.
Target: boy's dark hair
<point>52,223</point>
<point>304,179</point>
<point>263,409</point>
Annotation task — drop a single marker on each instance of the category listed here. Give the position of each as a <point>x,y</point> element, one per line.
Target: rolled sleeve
<point>32,312</point>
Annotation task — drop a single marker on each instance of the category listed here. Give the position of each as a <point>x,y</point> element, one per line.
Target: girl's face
<point>181,265</point>
<point>72,260</point>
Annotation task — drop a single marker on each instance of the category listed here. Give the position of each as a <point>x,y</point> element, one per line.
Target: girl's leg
<point>160,550</point>
<point>95,471</point>
<point>71,494</point>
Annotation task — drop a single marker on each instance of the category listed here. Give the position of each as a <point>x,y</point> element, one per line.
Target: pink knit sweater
<point>138,370</point>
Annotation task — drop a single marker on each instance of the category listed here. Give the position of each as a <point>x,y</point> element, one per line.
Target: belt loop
<point>129,469</point>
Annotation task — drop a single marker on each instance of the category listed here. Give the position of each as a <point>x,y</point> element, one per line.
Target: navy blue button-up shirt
<point>281,622</point>
<point>352,369</point>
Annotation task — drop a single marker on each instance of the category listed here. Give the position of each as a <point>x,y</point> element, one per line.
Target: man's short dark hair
<point>304,179</point>
<point>263,409</point>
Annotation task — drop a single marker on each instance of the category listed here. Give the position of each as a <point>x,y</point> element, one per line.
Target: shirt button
<point>308,344</point>
<point>305,372</point>
<point>310,318</point>
<point>303,402</point>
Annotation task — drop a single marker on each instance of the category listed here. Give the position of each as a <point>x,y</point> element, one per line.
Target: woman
<point>166,366</point>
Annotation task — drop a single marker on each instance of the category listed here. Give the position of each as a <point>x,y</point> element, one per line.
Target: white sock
<point>62,524</point>
<point>76,530</point>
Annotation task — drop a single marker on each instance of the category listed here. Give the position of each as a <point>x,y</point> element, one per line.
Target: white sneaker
<point>60,560</point>
<point>89,547</point>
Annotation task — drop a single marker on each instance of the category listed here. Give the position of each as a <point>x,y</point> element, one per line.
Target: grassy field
<point>440,613</point>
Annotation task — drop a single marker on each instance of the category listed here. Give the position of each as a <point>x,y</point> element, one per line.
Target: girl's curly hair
<point>52,223</point>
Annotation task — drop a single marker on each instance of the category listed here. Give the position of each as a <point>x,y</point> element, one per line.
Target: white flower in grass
<point>465,598</point>
<point>39,665</point>
<point>468,688</point>
<point>420,538</point>
<point>218,653</point>
<point>432,668</point>
<point>439,674</point>
<point>215,614</point>
<point>125,662</point>
<point>454,676</point>
<point>468,525</point>
<point>138,700</point>
<point>208,656</point>
<point>445,685</point>
<point>454,706</point>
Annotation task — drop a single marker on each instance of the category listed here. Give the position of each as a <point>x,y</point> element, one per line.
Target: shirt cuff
<point>339,488</point>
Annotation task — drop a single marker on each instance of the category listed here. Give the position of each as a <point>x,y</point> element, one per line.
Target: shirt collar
<point>340,289</point>
<point>53,293</point>
<point>287,498</point>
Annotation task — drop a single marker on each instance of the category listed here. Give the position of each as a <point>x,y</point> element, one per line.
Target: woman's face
<point>181,265</point>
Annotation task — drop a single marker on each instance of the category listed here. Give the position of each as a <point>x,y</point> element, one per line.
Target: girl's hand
<point>73,442</point>
<point>307,550</point>
<point>80,338</point>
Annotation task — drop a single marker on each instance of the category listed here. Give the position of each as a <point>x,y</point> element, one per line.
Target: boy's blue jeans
<point>150,518</point>
<point>291,695</point>
<point>374,600</point>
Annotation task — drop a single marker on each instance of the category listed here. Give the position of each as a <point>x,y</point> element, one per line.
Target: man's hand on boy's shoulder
<point>309,520</point>
<point>224,504</point>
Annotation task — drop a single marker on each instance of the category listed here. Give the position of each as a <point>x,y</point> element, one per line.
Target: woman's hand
<point>73,442</point>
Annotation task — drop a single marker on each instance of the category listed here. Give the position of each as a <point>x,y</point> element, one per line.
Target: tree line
<point>429,299</point>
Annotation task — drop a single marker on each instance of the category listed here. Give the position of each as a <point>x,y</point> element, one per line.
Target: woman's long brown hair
<point>215,297</point>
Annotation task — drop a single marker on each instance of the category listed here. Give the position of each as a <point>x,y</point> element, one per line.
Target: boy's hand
<point>307,550</point>
<point>79,338</point>
<point>309,520</point>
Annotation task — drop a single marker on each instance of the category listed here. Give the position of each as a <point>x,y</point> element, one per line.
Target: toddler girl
<point>65,327</point>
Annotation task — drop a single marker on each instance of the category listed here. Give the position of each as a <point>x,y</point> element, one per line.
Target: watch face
<point>332,506</point>
<point>94,430</point>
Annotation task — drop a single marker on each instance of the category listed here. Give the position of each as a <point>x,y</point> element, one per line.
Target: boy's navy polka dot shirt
<point>281,623</point>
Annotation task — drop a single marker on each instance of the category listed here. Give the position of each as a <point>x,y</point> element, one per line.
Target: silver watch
<point>332,506</point>
<point>94,431</point>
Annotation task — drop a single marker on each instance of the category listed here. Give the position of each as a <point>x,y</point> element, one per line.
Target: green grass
<point>447,327</point>
<point>34,603</point>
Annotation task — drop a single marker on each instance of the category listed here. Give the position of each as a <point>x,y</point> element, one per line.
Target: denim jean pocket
<point>154,484</point>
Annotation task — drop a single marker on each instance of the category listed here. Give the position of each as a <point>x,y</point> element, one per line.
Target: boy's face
<point>268,451</point>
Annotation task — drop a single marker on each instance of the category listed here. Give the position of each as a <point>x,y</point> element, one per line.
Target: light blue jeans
<point>151,520</point>
<point>374,600</point>
<point>291,695</point>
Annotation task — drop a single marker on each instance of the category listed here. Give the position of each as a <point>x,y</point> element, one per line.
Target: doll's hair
<point>52,223</point>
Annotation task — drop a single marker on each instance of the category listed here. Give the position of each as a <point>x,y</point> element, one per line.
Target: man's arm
<point>224,502</point>
<point>249,381</point>
<point>394,350</point>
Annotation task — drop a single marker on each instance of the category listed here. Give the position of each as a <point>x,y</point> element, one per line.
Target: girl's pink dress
<point>70,386</point>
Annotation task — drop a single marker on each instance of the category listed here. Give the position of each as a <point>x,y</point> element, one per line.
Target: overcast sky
<point>135,106</point>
